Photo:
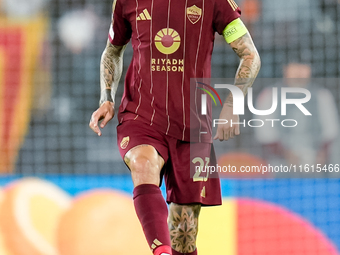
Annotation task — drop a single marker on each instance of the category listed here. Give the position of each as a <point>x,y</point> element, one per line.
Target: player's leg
<point>146,164</point>
<point>187,192</point>
<point>183,227</point>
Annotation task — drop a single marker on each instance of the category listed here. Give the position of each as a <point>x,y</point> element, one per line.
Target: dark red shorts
<point>184,184</point>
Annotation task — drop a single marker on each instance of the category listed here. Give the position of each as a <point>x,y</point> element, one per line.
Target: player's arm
<point>249,66</point>
<point>250,63</point>
<point>111,67</point>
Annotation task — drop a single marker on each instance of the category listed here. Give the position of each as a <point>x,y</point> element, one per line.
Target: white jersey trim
<point>151,75</point>
<point>167,77</point>
<point>183,76</point>
<point>198,47</point>
<point>139,59</point>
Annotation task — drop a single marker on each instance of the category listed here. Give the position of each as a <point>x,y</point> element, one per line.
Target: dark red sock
<point>152,213</point>
<point>178,253</point>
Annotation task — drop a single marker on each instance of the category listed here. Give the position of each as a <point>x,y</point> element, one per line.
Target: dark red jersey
<point>172,42</point>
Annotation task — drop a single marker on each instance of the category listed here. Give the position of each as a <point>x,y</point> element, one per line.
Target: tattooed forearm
<point>249,65</point>
<point>111,67</point>
<point>183,227</point>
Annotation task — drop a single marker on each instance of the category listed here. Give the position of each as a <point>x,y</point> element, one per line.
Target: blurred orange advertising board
<point>21,42</point>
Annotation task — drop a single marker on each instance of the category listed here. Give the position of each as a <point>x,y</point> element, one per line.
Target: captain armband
<point>234,30</point>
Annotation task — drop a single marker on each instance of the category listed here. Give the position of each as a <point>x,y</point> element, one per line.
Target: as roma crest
<point>124,143</point>
<point>194,14</point>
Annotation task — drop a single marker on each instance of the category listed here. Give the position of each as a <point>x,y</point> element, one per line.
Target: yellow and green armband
<point>234,30</point>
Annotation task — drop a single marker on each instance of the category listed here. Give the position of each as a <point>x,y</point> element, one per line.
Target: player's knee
<point>144,164</point>
<point>144,171</point>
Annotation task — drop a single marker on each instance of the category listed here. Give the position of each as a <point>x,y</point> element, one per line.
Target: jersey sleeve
<point>120,29</point>
<point>225,11</point>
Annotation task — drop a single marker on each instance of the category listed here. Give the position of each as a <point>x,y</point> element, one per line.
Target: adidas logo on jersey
<point>144,15</point>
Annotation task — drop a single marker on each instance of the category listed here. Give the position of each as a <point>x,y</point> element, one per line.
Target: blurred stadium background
<point>49,87</point>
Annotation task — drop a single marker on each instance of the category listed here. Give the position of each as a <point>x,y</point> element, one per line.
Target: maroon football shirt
<point>172,42</point>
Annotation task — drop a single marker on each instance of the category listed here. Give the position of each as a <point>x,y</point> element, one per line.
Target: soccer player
<point>172,42</point>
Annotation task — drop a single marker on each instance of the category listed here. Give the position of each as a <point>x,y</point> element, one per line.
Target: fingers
<point>104,113</point>
<point>237,130</point>
<point>224,133</point>
<point>106,119</point>
<point>231,134</point>
<point>94,123</point>
<point>219,134</point>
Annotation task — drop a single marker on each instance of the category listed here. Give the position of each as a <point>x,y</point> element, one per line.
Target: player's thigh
<point>144,151</point>
<point>145,164</point>
<point>186,185</point>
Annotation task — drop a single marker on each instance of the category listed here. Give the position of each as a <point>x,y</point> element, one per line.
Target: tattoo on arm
<point>183,227</point>
<point>111,67</point>
<point>249,65</point>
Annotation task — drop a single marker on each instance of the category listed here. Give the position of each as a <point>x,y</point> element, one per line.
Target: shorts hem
<point>204,204</point>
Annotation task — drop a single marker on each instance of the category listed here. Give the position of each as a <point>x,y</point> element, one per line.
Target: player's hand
<point>105,113</point>
<point>228,130</point>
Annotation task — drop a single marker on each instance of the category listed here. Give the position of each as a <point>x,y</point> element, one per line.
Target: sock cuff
<point>174,252</point>
<point>193,253</point>
<point>162,249</point>
<point>146,189</point>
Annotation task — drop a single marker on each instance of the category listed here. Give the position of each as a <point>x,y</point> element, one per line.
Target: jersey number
<point>202,167</point>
